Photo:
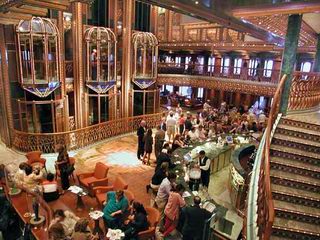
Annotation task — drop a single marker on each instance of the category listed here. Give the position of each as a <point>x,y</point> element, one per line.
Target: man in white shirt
<point>204,164</point>
<point>171,125</point>
<point>164,190</point>
<point>193,134</point>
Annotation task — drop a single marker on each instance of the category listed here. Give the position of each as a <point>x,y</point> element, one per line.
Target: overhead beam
<point>272,9</point>
<point>217,16</point>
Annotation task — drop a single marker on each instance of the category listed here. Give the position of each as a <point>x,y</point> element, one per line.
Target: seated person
<point>20,174</point>
<point>193,134</point>
<point>202,133</point>
<point>32,178</point>
<point>50,188</point>
<point>116,205</point>
<point>67,219</point>
<point>177,143</point>
<point>159,175</point>
<point>136,222</point>
<point>57,232</point>
<point>82,231</point>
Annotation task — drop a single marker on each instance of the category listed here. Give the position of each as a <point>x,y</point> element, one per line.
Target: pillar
<point>78,82</point>
<point>5,92</point>
<point>316,65</point>
<point>289,57</point>
<point>128,16</point>
<point>237,100</point>
<point>275,75</point>
<point>217,64</point>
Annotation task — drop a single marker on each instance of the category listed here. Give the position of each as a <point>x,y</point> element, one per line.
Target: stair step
<point>297,211</point>
<point>298,132</point>
<point>294,180</point>
<point>295,151</point>
<point>296,140</point>
<point>295,229</point>
<point>313,196</point>
<point>297,167</point>
<point>300,124</point>
<point>298,129</point>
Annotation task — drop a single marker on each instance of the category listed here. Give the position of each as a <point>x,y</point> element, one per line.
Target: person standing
<point>172,209</point>
<point>140,134</point>
<point>64,166</point>
<point>164,190</point>
<point>148,142</point>
<point>171,125</point>
<point>194,220</point>
<point>159,140</point>
<point>204,163</point>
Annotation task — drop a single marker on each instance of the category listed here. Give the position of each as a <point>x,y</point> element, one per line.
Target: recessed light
<point>196,2</point>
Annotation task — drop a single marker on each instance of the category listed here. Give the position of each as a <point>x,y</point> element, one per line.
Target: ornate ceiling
<point>277,24</point>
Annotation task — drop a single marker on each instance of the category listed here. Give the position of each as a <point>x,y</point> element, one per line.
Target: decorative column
<point>275,75</point>
<point>128,16</point>
<point>78,82</point>
<point>289,57</point>
<point>62,51</point>
<point>217,64</point>
<point>5,93</point>
<point>316,65</point>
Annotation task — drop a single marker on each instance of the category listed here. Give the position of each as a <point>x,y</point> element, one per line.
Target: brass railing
<point>46,142</point>
<point>305,91</point>
<point>260,210</point>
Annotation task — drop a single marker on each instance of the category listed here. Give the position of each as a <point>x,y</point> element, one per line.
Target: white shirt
<point>164,189</point>
<point>207,166</point>
<point>194,136</point>
<point>171,121</point>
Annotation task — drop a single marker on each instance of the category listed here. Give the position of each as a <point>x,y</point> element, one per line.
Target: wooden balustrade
<point>46,142</point>
<point>241,73</point>
<point>260,210</point>
<point>305,91</point>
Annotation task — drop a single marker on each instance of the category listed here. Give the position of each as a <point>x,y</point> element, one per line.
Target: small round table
<point>96,216</point>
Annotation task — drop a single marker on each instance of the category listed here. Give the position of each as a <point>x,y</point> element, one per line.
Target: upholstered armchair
<point>94,179</point>
<point>34,158</point>
<point>100,192</point>
<point>72,161</point>
<point>153,219</point>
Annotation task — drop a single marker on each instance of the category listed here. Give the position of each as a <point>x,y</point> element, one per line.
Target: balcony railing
<point>305,91</point>
<point>46,142</point>
<point>241,73</point>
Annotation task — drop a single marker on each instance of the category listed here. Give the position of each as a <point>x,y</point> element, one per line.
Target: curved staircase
<point>295,180</point>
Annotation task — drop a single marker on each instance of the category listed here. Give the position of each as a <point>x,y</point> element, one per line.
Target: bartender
<point>204,163</point>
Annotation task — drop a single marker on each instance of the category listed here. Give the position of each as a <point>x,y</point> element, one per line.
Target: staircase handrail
<point>260,209</point>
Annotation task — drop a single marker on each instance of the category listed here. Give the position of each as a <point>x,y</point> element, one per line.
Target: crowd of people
<point>178,130</point>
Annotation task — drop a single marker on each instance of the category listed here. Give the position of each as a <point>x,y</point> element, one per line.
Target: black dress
<point>140,134</point>
<point>139,224</point>
<point>64,167</point>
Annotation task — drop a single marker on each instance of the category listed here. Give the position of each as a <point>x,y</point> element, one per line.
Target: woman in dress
<point>64,166</point>
<point>148,141</point>
<point>136,222</point>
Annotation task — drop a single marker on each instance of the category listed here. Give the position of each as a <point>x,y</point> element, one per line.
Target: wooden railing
<point>241,73</point>
<point>260,210</point>
<point>46,142</point>
<point>305,91</point>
